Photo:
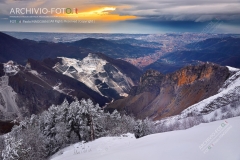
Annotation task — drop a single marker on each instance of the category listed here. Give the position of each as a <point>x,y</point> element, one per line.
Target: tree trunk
<point>92,129</point>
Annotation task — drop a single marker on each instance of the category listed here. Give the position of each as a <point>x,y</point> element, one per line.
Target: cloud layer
<point>151,14</point>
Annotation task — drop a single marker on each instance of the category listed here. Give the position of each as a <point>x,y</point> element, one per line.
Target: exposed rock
<point>98,74</point>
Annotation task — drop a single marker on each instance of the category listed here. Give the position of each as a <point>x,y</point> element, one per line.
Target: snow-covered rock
<point>8,106</point>
<point>11,68</point>
<point>97,74</point>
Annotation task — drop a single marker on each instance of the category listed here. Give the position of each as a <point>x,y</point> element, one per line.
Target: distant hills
<point>115,48</point>
<point>21,50</point>
<point>223,51</point>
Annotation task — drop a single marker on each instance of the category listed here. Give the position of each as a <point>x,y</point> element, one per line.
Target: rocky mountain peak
<point>201,72</point>
<point>159,95</point>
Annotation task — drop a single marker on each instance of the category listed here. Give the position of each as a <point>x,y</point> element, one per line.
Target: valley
<point>116,92</point>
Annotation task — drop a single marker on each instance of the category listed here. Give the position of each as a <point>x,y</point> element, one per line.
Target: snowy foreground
<point>217,140</point>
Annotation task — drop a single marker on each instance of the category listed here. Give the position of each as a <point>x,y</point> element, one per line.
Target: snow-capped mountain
<point>98,74</point>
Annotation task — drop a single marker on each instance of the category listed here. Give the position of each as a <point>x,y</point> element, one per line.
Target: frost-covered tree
<point>115,120</point>
<point>62,111</point>
<point>14,149</point>
<point>75,120</point>
<point>138,129</point>
<point>127,124</point>
<point>143,128</point>
<point>41,136</point>
<point>49,130</point>
<point>94,116</point>
<point>11,148</point>
<point>32,138</point>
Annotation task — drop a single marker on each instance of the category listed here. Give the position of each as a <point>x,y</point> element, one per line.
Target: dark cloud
<point>2,1</point>
<point>178,10</point>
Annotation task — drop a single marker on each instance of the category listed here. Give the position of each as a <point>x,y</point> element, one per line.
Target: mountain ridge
<point>173,92</point>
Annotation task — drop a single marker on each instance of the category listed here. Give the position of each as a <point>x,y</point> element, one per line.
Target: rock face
<point>98,74</point>
<point>159,96</point>
<point>222,105</point>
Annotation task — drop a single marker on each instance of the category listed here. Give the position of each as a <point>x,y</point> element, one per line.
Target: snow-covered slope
<point>97,74</point>
<point>232,69</point>
<point>217,140</point>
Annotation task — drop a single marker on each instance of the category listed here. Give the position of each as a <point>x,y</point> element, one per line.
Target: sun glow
<point>101,14</point>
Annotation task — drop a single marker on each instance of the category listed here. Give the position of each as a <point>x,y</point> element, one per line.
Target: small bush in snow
<point>228,115</point>
<point>224,109</point>
<point>235,104</point>
<point>215,114</point>
<point>143,128</point>
<point>212,119</point>
<point>237,112</point>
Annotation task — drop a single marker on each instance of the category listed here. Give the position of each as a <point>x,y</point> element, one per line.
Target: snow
<point>11,68</point>
<point>34,72</point>
<point>88,65</point>
<point>187,144</point>
<point>57,87</point>
<point>92,71</point>
<point>124,94</point>
<point>233,69</point>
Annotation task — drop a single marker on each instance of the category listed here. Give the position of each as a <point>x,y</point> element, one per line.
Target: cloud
<point>98,14</point>
<point>143,15</point>
<point>179,10</point>
<point>2,1</point>
<point>176,10</point>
